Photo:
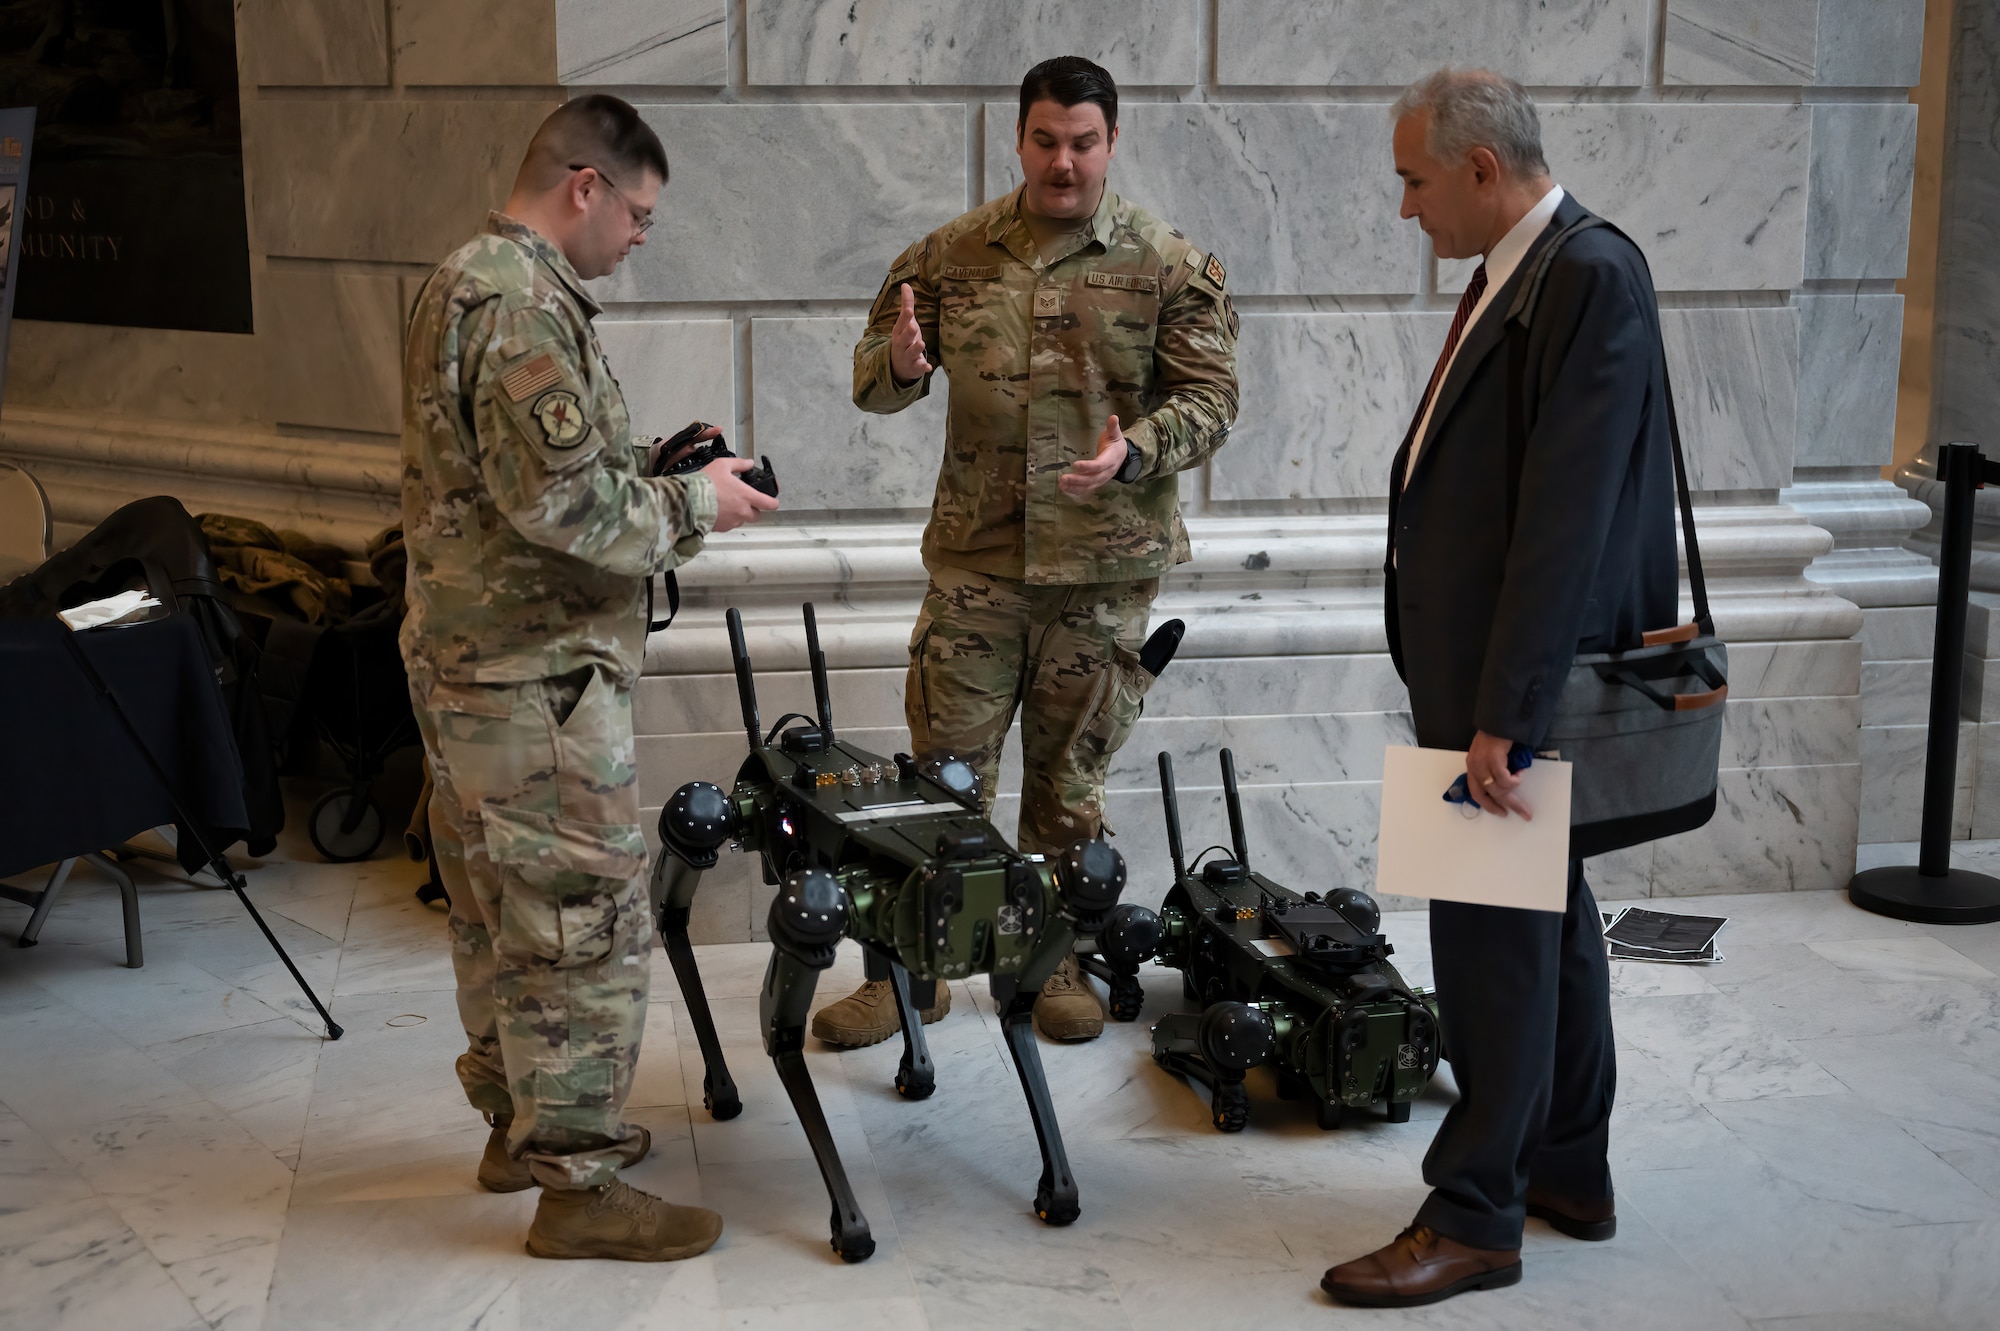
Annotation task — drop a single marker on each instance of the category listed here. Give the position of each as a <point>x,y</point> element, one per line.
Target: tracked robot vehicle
<point>895,854</point>
<point>1302,982</point>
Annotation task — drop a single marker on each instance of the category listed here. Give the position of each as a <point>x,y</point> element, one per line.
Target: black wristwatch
<point>1134,462</point>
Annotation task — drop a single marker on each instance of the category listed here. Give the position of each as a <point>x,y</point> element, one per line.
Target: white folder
<point>1430,847</point>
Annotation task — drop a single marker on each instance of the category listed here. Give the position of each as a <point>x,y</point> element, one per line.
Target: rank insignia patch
<point>1214,270</point>
<point>562,420</point>
<point>527,379</point>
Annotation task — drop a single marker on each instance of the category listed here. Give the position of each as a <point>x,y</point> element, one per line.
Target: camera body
<point>762,477</point>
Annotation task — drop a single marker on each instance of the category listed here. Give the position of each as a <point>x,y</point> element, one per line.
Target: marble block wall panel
<point>1734,42</point>
<point>662,43</point>
<point>832,454</point>
<point>465,152</point>
<point>333,348</point>
<point>1897,693</point>
<point>153,372</point>
<point>793,202</point>
<point>673,371</point>
<point>1863,164</point>
<point>1892,792</point>
<point>1899,633</point>
<point>1715,195</point>
<point>1870,43</point>
<point>1776,829</point>
<point>1295,199</point>
<point>1985,746</point>
<point>473,43</point>
<point>1543,43</point>
<point>1790,732</point>
<point>315,43</point>
<point>1803,669</point>
<point>1326,399</point>
<point>1850,352</point>
<point>1736,385</point>
<point>877,42</point>
<point>1965,379</point>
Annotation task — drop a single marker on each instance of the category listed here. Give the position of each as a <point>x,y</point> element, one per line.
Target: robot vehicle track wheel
<point>1231,1111</point>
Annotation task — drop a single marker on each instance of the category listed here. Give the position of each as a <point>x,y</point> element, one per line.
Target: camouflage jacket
<point>531,526</point>
<point>1132,320</point>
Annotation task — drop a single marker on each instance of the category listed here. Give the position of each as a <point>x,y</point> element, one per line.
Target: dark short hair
<point>597,130</point>
<point>1069,80</point>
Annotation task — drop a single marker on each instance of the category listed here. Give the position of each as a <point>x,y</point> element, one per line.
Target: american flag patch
<point>531,378</point>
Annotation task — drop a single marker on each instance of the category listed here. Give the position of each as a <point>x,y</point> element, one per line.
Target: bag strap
<point>1518,316</point>
<point>673,602</point>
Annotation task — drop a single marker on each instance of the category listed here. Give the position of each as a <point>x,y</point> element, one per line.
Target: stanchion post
<point>1933,892</point>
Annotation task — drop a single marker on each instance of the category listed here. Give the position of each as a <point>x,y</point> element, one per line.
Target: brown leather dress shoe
<point>1591,1221</point>
<point>1421,1266</point>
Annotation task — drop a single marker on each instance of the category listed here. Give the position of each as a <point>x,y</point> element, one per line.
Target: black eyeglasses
<point>643,223</point>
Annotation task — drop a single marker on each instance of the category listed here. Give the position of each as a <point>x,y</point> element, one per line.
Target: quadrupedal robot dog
<point>895,854</point>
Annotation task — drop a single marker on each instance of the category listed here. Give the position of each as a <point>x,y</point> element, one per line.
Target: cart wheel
<point>341,846</point>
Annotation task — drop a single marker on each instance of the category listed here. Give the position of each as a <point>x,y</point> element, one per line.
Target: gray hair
<point>1476,108</point>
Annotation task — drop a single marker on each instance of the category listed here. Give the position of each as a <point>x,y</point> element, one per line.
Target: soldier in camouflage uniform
<point>1091,353</point>
<point>533,529</point>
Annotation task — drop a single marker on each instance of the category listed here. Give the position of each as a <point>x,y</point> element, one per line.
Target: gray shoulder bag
<point>1643,727</point>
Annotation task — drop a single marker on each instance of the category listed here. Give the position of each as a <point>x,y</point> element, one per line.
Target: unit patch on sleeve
<point>1213,270</point>
<point>530,377</point>
<point>562,420</point>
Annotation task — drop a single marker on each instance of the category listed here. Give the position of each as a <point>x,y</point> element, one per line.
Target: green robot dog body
<point>1302,982</point>
<point>894,854</point>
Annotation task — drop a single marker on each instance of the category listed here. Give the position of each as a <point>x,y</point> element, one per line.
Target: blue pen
<point>1519,759</point>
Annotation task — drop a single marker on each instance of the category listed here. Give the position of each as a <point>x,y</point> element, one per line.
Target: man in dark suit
<point>1484,616</point>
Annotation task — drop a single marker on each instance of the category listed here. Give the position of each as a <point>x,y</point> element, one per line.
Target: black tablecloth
<point>71,779</point>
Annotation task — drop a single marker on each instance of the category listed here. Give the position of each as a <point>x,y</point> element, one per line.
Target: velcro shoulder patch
<point>983,272</point>
<point>1213,270</point>
<point>1123,281</point>
<point>530,377</point>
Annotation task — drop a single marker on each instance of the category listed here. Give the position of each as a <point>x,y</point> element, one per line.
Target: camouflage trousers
<point>535,820</point>
<point>1066,656</point>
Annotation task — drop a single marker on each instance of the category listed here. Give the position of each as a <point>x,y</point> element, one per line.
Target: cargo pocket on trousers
<point>916,697</point>
<point>574,1081</point>
<point>562,884</point>
<point>1117,708</point>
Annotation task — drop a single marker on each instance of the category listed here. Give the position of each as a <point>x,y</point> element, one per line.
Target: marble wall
<point>376,135</point>
<point>1759,150</point>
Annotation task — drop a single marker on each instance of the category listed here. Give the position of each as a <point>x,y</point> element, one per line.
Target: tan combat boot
<point>1068,1008</point>
<point>501,1172</point>
<point>619,1222</point>
<point>868,1015</point>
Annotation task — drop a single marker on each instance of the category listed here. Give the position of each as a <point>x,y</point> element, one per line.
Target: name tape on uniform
<point>531,377</point>
<point>970,272</point>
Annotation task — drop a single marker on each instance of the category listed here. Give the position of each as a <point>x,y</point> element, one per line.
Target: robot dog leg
<point>693,825</point>
<point>806,924</point>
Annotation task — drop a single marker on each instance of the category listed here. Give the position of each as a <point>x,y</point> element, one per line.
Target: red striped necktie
<point>1473,291</point>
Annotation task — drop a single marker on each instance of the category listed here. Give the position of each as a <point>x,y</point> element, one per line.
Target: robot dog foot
<point>1057,1205</point>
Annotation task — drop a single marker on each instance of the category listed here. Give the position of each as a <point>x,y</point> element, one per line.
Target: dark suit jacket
<point>1483,631</point>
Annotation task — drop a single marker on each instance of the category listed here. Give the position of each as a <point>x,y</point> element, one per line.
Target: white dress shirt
<point>1505,257</point>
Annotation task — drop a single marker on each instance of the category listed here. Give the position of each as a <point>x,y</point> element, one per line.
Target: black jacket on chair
<point>1483,629</point>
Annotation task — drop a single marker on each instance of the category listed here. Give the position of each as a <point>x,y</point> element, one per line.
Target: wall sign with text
<point>136,214</point>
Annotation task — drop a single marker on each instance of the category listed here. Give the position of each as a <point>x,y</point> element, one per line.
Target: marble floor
<point>1807,1136</point>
